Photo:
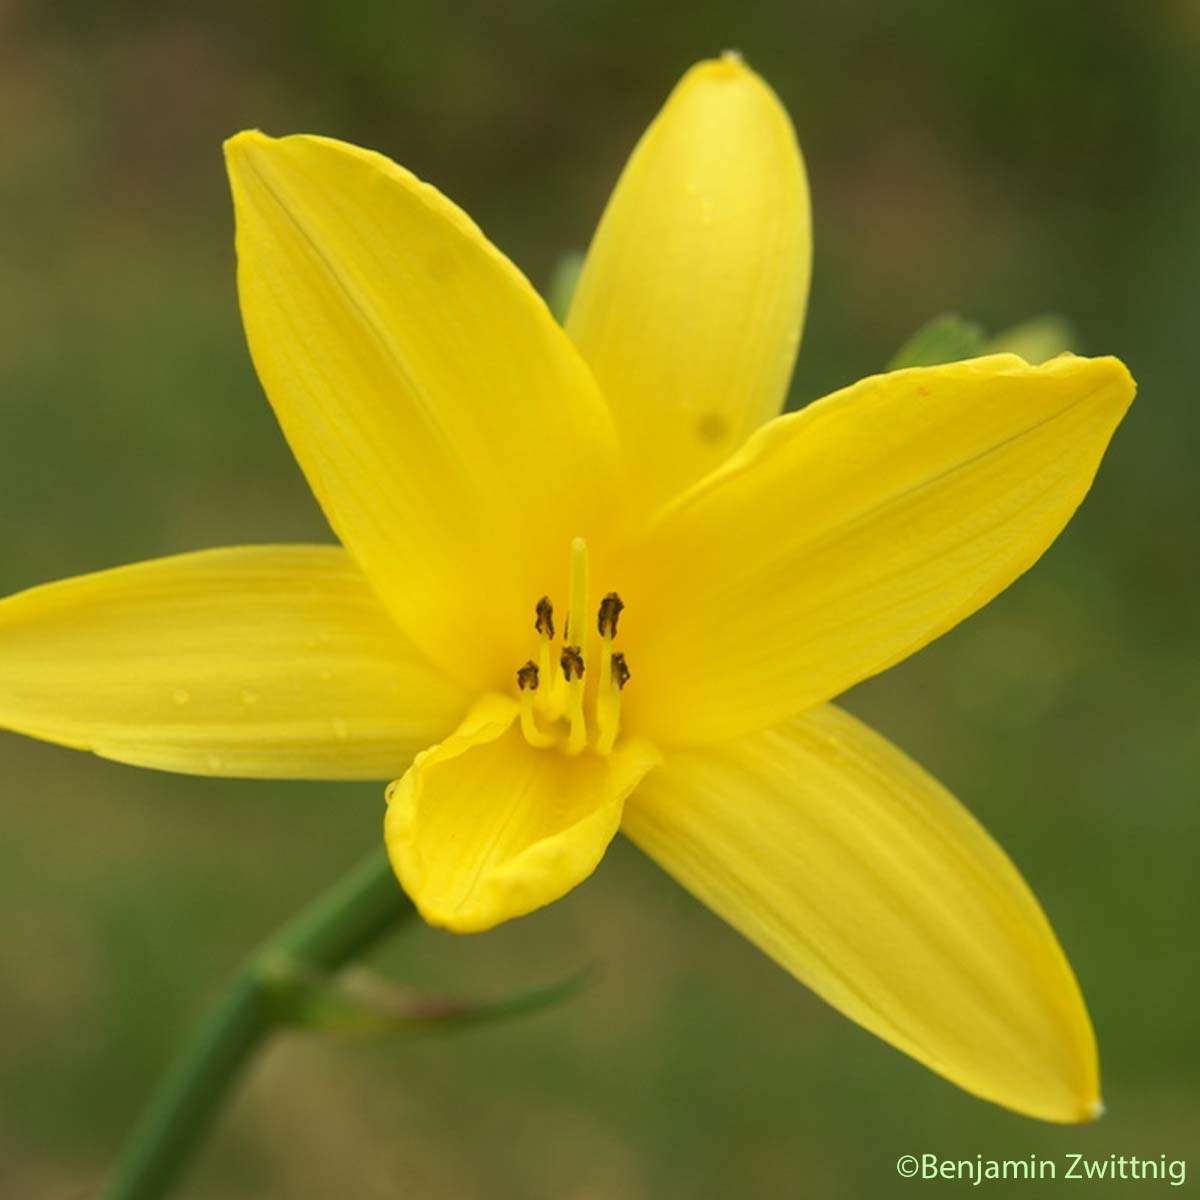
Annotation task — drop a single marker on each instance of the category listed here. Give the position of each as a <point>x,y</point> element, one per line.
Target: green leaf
<point>362,1004</point>
<point>945,339</point>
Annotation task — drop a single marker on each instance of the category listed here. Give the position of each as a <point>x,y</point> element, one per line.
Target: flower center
<point>554,691</point>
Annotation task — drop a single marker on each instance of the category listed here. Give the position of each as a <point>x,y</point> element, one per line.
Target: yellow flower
<point>607,585</point>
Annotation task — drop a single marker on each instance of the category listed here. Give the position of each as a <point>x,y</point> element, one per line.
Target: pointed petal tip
<point>1059,1108</point>
<point>923,932</point>
<point>1120,374</point>
<point>728,67</point>
<point>691,301</point>
<point>243,155</point>
<point>1106,367</point>
<point>1108,375</point>
<point>729,64</point>
<point>243,140</point>
<point>1083,1108</point>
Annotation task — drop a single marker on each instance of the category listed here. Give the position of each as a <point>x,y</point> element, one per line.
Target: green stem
<point>338,925</point>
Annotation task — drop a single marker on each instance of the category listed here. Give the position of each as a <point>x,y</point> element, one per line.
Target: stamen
<point>611,608</point>
<point>615,673</point>
<point>572,668</point>
<point>620,669</point>
<point>545,618</point>
<point>527,681</point>
<point>606,622</point>
<point>548,700</point>
<point>572,663</point>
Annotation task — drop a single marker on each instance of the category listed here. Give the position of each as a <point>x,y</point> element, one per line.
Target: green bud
<point>563,281</point>
<point>1035,340</point>
<point>947,338</point>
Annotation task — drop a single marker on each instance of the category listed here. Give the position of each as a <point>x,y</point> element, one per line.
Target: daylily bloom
<point>607,585</point>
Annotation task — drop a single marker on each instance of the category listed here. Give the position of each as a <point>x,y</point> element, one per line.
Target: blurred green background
<point>1001,160</point>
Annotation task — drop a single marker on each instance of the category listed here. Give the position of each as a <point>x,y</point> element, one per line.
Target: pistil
<point>577,609</point>
<point>572,655</point>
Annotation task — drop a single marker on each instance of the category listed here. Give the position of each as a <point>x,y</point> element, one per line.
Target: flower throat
<point>553,688</point>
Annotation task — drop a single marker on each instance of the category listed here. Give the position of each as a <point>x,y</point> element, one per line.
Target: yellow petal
<point>862,876</point>
<point>256,661</point>
<point>844,537</point>
<point>692,298</point>
<point>483,827</point>
<point>450,431</point>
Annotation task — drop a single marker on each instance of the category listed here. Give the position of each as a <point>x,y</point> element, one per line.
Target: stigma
<point>563,702</point>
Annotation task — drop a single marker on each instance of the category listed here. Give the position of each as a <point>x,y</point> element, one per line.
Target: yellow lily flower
<point>607,585</point>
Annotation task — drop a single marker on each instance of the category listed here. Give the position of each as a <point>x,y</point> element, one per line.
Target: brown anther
<point>545,617</point>
<point>527,677</point>
<point>572,663</point>
<point>610,611</point>
<point>620,669</point>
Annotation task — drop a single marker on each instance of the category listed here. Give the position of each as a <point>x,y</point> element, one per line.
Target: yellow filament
<point>533,735</point>
<point>549,695</point>
<point>577,738</point>
<point>608,702</point>
<point>605,667</point>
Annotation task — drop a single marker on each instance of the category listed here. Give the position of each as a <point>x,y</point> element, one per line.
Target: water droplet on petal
<point>341,729</point>
<point>214,762</point>
<point>250,696</point>
<point>181,695</point>
<point>325,676</point>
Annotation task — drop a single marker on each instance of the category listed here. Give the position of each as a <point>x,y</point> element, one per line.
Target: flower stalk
<point>336,927</point>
